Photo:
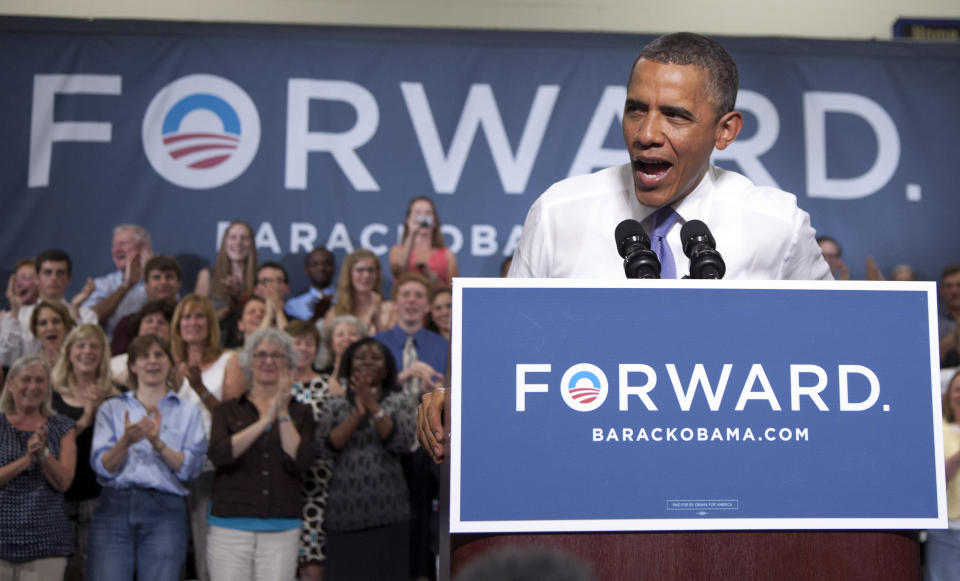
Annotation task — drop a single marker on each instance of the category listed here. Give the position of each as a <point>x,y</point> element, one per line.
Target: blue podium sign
<point>686,405</point>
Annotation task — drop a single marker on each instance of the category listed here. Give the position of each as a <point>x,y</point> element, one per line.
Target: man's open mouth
<point>653,167</point>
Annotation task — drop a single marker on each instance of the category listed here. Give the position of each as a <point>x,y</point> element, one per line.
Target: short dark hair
<point>831,240</point>
<point>272,264</point>
<point>163,264</point>
<point>54,255</point>
<point>687,48</point>
<point>321,250</point>
<point>346,367</point>
<point>528,563</point>
<point>164,307</point>
<point>139,348</point>
<point>297,328</point>
<point>950,270</point>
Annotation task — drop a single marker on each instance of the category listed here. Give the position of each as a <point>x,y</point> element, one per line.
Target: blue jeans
<point>137,530</point>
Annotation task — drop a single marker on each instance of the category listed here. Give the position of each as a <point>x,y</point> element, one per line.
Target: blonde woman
<point>358,292</point>
<point>343,332</point>
<point>37,456</point>
<point>205,374</point>
<point>235,271</point>
<point>81,380</point>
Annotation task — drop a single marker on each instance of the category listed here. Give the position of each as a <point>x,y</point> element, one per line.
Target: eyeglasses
<point>264,355</point>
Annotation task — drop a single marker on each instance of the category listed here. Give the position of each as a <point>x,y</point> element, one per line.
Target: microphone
<point>633,244</point>
<point>701,249</point>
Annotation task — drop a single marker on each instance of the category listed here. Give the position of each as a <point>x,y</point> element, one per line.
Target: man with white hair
<point>121,292</point>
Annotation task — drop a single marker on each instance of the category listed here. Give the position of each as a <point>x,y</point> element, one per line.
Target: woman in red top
<point>422,249</point>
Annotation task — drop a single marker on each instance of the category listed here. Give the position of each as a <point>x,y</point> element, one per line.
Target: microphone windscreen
<point>694,228</point>
<point>628,227</point>
<point>627,230</point>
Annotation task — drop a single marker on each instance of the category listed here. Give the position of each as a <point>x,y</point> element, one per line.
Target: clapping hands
<point>280,405</point>
<point>37,443</point>
<point>148,427</point>
<point>366,393</point>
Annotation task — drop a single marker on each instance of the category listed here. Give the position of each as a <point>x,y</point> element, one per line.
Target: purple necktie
<point>663,220</point>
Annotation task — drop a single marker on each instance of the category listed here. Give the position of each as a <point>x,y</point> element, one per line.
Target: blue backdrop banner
<point>320,136</point>
<point>694,405</point>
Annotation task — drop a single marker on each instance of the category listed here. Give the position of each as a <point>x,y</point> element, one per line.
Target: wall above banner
<point>322,135</point>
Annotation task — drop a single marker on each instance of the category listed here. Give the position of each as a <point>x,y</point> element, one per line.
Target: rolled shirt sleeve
<point>181,429</point>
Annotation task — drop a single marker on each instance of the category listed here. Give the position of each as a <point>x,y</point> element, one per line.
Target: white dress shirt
<point>760,232</point>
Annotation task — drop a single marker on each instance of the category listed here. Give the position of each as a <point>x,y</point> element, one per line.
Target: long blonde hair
<point>222,268</point>
<point>178,347</point>
<point>63,377</point>
<point>345,291</point>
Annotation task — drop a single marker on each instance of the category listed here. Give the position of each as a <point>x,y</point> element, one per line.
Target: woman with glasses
<point>261,445</point>
<point>358,292</point>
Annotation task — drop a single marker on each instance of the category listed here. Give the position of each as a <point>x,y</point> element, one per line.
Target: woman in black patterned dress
<point>368,513</point>
<point>311,388</point>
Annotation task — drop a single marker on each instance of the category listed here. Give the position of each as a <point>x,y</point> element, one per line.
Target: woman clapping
<point>261,446</point>
<point>37,457</point>
<point>147,445</point>
<point>368,506</point>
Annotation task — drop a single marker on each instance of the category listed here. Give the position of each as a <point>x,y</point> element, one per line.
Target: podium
<point>722,555</point>
<point>696,429</point>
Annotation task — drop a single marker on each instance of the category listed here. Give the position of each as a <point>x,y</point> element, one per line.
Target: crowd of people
<point>227,433</point>
<point>270,437</point>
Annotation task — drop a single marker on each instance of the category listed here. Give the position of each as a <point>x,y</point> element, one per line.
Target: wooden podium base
<point>733,555</point>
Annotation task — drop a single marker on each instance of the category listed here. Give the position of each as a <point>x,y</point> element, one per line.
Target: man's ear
<point>728,128</point>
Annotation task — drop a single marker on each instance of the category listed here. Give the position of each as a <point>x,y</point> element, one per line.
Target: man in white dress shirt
<point>679,107</point>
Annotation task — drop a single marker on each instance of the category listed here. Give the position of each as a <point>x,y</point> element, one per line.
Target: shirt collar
<point>402,335</point>
<point>132,395</point>
<point>693,206</point>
